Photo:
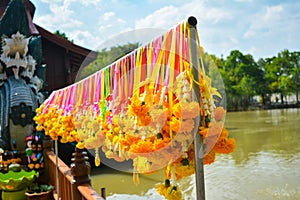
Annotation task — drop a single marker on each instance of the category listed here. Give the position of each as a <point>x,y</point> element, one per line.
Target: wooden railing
<point>74,182</point>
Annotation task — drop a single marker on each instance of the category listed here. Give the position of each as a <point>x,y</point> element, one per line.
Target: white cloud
<point>104,28</point>
<point>50,1</point>
<point>161,18</point>
<point>85,38</point>
<point>273,28</point>
<point>83,2</point>
<point>272,13</point>
<point>242,1</point>
<point>234,40</point>
<point>61,17</point>
<point>215,38</point>
<point>168,16</point>
<point>121,21</point>
<point>269,20</point>
<point>110,24</point>
<point>108,15</point>
<point>249,33</point>
<point>89,2</point>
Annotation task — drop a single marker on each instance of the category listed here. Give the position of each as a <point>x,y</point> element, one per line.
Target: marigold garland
<point>168,191</point>
<point>151,119</point>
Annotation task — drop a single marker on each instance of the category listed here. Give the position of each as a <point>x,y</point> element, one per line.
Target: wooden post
<point>80,170</point>
<point>198,140</point>
<point>47,146</point>
<point>103,193</point>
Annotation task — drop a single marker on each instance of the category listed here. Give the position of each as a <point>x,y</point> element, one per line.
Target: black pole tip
<point>192,21</point>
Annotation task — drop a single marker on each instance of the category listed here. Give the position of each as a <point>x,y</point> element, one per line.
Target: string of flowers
<point>141,108</point>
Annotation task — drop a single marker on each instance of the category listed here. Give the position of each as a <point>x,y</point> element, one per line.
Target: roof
<point>77,53</point>
<point>70,46</point>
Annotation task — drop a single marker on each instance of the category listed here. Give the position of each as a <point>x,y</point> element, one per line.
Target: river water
<point>265,164</point>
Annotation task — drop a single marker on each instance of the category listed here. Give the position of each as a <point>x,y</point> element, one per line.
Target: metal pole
<point>57,177</point>
<point>198,140</point>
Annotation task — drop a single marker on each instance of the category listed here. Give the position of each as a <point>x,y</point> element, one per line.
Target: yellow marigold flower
<point>39,128</point>
<point>115,139</point>
<point>182,170</point>
<point>161,189</point>
<point>176,110</point>
<point>97,161</point>
<point>109,154</point>
<point>80,145</point>
<point>168,191</point>
<point>174,124</point>
<point>173,193</point>
<point>116,129</point>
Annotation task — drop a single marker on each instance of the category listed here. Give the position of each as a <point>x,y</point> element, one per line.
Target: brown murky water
<point>265,164</point>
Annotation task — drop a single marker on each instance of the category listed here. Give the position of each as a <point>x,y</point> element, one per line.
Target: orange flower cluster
<point>55,124</point>
<point>168,191</point>
<point>140,109</point>
<point>156,131</point>
<point>216,137</point>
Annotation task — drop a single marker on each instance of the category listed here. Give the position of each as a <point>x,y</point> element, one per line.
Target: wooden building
<point>61,57</point>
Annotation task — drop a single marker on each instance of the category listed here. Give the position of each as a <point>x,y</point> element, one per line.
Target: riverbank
<point>280,106</point>
<point>265,107</point>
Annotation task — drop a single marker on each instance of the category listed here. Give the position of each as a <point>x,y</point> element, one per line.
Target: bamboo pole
<point>198,140</point>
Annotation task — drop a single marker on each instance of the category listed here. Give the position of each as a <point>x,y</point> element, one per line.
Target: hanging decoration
<point>142,107</point>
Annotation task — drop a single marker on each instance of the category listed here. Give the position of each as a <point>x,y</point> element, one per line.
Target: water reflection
<point>265,164</point>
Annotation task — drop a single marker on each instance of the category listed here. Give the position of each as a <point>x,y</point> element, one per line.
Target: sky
<point>262,28</point>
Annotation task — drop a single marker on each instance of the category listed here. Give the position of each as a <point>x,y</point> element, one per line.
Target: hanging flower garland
<point>142,108</point>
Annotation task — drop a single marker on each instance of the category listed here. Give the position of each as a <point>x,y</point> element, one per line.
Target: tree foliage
<point>106,57</point>
<point>245,78</point>
<point>62,35</point>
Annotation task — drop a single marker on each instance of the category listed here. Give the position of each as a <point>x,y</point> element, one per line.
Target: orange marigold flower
<point>219,113</point>
<point>189,110</point>
<point>214,129</point>
<point>203,131</point>
<point>224,133</point>
<point>225,146</point>
<point>209,158</point>
<point>144,120</point>
<point>187,125</point>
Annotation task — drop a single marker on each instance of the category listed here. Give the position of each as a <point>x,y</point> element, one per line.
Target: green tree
<point>106,57</point>
<point>62,35</point>
<point>283,74</point>
<point>212,65</point>
<point>295,74</point>
<point>262,84</point>
<point>241,75</point>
